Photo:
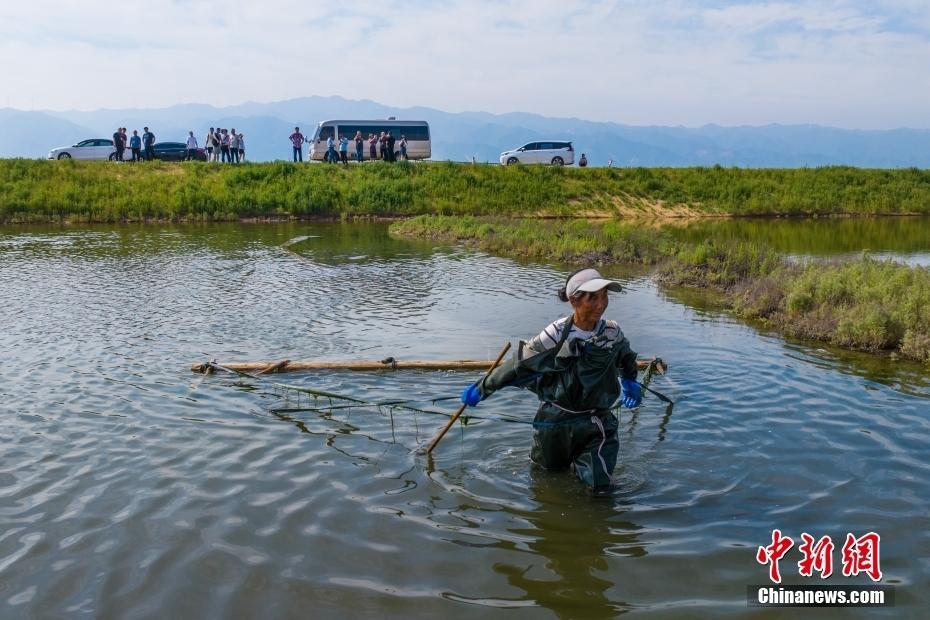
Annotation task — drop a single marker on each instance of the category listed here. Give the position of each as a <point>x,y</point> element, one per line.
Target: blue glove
<point>471,396</point>
<point>632,393</point>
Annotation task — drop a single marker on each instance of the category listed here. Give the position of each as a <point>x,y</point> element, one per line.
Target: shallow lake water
<point>132,487</point>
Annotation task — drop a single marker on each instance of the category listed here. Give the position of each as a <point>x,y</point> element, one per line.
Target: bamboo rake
<point>455,417</point>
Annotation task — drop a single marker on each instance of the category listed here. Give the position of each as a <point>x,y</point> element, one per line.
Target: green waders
<point>577,383</point>
<point>587,441</point>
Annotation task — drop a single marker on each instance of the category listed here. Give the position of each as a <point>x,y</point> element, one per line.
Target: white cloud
<point>836,62</point>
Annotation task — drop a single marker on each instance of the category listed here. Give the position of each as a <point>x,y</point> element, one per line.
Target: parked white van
<point>417,133</point>
<point>557,153</point>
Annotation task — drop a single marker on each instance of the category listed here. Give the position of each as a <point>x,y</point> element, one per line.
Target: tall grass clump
<point>561,240</point>
<point>720,264</point>
<point>862,304</point>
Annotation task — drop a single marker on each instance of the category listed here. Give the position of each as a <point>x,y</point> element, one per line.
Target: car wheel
<point>64,156</point>
<point>112,156</point>
<point>512,160</point>
<point>558,161</point>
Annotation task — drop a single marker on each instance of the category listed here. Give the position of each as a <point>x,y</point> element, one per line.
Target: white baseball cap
<point>589,281</point>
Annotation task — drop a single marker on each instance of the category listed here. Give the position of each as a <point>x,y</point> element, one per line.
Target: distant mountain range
<point>462,136</point>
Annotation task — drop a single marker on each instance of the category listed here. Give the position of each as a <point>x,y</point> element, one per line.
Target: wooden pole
<point>455,417</point>
<point>366,365</point>
<point>277,367</point>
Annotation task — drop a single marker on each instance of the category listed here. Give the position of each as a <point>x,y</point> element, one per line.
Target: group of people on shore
<point>221,145</point>
<point>136,144</point>
<point>379,147</point>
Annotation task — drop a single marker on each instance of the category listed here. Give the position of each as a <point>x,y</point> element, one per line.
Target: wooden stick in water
<point>277,367</point>
<point>455,417</point>
<point>366,365</point>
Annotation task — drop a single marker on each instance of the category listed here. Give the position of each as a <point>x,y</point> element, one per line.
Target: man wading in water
<point>572,366</point>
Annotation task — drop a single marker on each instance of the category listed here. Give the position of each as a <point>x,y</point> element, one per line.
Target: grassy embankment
<point>862,304</point>
<point>52,191</point>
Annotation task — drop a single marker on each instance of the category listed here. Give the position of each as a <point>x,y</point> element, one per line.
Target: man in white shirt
<point>191,146</point>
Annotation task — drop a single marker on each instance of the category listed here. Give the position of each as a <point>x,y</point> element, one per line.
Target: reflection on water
<point>905,239</point>
<point>565,566</point>
<point>130,487</point>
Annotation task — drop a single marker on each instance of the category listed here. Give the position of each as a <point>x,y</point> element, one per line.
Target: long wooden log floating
<point>388,364</point>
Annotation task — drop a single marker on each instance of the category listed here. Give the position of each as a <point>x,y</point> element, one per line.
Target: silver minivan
<point>557,153</point>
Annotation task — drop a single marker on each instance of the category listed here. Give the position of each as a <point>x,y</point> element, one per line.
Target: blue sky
<point>836,62</point>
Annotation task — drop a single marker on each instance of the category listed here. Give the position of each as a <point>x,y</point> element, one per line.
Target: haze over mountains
<point>461,136</point>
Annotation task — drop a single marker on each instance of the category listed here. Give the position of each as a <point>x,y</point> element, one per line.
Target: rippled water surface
<point>132,487</point>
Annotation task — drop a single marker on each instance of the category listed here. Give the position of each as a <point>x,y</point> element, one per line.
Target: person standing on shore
<point>224,145</point>
<point>403,147</point>
<point>233,146</point>
<point>191,146</point>
<point>208,144</point>
<point>359,146</point>
<point>241,146</point>
<point>297,141</point>
<point>583,162</point>
<point>135,143</point>
<point>373,146</point>
<point>148,141</point>
<point>382,145</point>
<point>572,366</point>
<point>331,156</point>
<point>344,150</point>
<point>217,142</point>
<point>118,143</point>
<point>390,147</point>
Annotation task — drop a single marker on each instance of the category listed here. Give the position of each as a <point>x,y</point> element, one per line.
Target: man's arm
<point>626,361</point>
<point>512,371</point>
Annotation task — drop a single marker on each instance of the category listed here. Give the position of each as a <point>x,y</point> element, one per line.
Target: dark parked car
<point>174,151</point>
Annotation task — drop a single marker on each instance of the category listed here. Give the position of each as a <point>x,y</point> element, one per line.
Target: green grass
<point>562,241</point>
<point>44,191</point>
<point>862,304</point>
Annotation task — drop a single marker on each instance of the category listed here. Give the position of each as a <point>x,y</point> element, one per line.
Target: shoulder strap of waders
<point>554,351</point>
<point>569,322</point>
<point>566,330</point>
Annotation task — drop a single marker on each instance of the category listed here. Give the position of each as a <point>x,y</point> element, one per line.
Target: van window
<point>416,132</point>
<point>349,131</point>
<point>531,146</point>
<point>412,132</point>
<point>546,146</point>
<point>326,132</point>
